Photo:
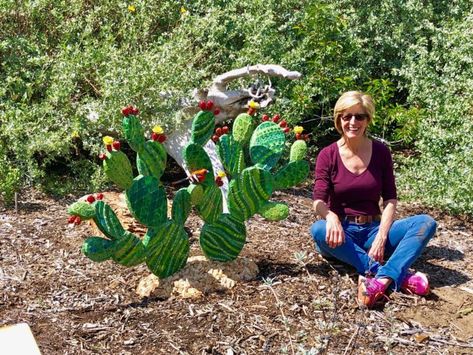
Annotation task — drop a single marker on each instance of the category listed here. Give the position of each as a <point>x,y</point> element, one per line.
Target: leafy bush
<point>9,177</point>
<point>439,77</point>
<point>67,65</point>
<point>345,46</point>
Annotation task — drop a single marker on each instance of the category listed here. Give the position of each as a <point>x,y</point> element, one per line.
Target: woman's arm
<point>334,235</point>
<point>322,209</point>
<point>387,218</point>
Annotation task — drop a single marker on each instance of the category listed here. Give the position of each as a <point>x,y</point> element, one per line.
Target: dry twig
<point>353,337</point>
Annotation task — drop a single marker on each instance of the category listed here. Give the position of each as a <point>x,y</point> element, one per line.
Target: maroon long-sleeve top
<point>349,194</point>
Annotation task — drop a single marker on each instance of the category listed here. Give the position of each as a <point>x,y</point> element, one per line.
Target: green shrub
<point>439,78</point>
<point>67,65</point>
<point>9,177</point>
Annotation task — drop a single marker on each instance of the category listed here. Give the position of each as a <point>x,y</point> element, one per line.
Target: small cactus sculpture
<point>165,247</point>
<point>249,154</point>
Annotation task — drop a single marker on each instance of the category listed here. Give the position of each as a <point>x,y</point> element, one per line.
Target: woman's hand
<point>377,249</point>
<point>335,236</point>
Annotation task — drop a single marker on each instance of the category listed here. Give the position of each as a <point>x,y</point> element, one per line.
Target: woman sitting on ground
<point>350,177</point>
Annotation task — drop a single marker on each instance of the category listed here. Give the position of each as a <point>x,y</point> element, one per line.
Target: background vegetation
<point>67,66</point>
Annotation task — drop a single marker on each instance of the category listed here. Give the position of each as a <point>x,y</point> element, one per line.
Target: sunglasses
<point>358,117</point>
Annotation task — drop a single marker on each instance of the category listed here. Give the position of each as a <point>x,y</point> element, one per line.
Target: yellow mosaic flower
<point>298,129</point>
<point>108,140</point>
<point>158,129</point>
<point>131,8</point>
<point>253,104</point>
<point>75,134</point>
<point>183,10</point>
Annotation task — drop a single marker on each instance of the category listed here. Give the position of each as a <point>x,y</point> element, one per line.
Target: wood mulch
<point>298,304</point>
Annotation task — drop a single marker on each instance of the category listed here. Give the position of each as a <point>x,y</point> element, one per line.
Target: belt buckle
<point>361,219</point>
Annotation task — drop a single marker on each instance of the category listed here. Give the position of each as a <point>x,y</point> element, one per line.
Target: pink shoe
<point>370,290</point>
<point>416,283</point>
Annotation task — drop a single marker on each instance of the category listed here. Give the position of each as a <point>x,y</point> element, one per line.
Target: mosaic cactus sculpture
<point>249,154</point>
<point>165,246</point>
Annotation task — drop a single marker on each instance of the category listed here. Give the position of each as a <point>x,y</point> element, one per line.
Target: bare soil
<point>299,303</point>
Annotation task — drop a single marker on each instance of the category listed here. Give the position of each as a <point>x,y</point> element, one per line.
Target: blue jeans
<point>407,239</point>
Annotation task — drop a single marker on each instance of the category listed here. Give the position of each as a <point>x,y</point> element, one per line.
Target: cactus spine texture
<point>107,221</point>
<point>249,191</point>
<point>181,206</point>
<point>292,174</point>
<point>298,150</point>
<point>203,125</point>
<point>243,128</point>
<point>151,160</point>
<point>133,132</point>
<point>98,249</point>
<point>147,201</point>
<point>167,248</point>
<point>82,209</point>
<point>223,239</point>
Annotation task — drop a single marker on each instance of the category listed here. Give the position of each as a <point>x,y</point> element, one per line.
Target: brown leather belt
<point>363,219</point>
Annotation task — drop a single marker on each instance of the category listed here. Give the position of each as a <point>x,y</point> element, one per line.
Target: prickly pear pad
<point>196,158</point>
<point>152,159</point>
<point>167,249</point>
<point>202,127</point>
<point>243,128</point>
<point>231,154</point>
<point>223,239</point>
<point>274,211</point>
<point>212,204</point>
<point>197,193</point>
<point>98,249</point>
<point>82,209</point>
<point>267,145</point>
<point>181,206</point>
<point>292,174</point>
<point>133,132</point>
<point>249,191</point>
<point>117,167</point>
<point>107,221</point>
<point>129,250</point>
<point>147,201</point>
<point>298,150</point>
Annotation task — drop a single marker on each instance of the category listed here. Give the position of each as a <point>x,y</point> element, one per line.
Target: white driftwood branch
<point>220,82</point>
<point>234,102</point>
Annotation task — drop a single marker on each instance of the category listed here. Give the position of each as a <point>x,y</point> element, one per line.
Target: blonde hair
<point>349,99</point>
